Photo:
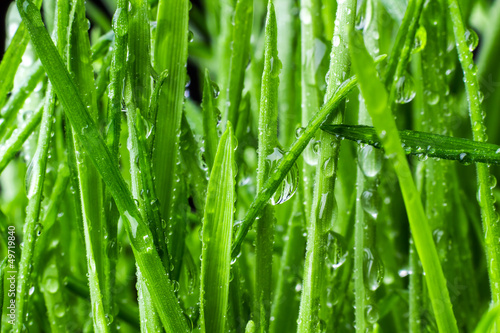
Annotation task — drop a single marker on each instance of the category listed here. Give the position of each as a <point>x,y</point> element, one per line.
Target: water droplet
<point>59,310</point>
<point>175,285</point>
<point>305,16</point>
<point>420,39</point>
<point>471,39</point>
<point>373,270</point>
<point>32,175</point>
<point>370,203</point>
<point>190,36</point>
<point>370,160</point>
<point>336,40</point>
<point>275,66</point>
<point>215,90</point>
<point>405,89</point>
<point>431,97</point>
<point>371,314</point>
<point>336,251</point>
<point>299,132</point>
<point>288,186</point>
<point>51,285</point>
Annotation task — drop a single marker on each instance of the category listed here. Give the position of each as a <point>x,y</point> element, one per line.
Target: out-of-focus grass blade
<point>140,236</point>
<point>424,144</point>
<point>377,104</point>
<point>486,322</point>
<point>211,117</point>
<point>217,235</point>
<point>12,58</point>
<point>242,28</point>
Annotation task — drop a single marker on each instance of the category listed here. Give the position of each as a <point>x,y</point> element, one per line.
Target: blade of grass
<point>35,177</point>
<point>240,45</point>
<point>488,319</point>
<point>12,146</point>
<point>12,58</point>
<point>85,128</point>
<point>16,101</point>
<point>323,211</point>
<point>90,185</point>
<point>217,235</point>
<point>424,144</point>
<point>484,178</point>
<point>211,117</point>
<point>268,143</point>
<point>171,45</point>
<point>376,99</point>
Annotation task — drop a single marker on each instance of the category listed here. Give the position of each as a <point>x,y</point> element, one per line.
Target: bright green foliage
<point>217,235</point>
<point>178,166</point>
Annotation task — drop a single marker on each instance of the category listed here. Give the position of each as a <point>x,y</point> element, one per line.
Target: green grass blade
<point>35,177</point>
<point>268,143</point>
<point>240,45</point>
<point>86,130</point>
<point>171,45</point>
<point>488,319</point>
<point>376,100</point>
<point>485,195</point>
<point>424,144</point>
<point>14,143</point>
<point>289,159</point>
<point>15,103</point>
<point>217,235</point>
<point>211,117</point>
<point>323,212</point>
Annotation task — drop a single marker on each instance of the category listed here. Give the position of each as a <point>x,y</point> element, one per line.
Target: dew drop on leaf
<point>373,270</point>
<point>288,186</point>
<point>471,39</point>
<point>370,160</point>
<point>420,39</point>
<point>405,89</point>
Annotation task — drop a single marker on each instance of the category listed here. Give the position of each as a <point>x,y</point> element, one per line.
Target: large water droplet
<point>370,203</point>
<point>336,251</point>
<point>373,270</point>
<point>370,160</point>
<point>405,89</point>
<point>32,175</point>
<point>288,186</point>
<point>471,39</point>
<point>420,39</point>
<point>371,313</point>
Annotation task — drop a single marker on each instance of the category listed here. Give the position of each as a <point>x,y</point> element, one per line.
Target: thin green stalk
<point>289,159</point>
<point>12,58</point>
<point>35,177</point>
<point>140,237</point>
<point>217,235</point>
<point>367,262</point>
<point>171,45</point>
<point>90,185</point>
<point>15,103</point>
<point>323,205</point>
<point>268,143</point>
<point>210,120</point>
<point>240,44</point>
<point>484,177</point>
<point>14,143</point>
<point>309,94</point>
<point>377,103</point>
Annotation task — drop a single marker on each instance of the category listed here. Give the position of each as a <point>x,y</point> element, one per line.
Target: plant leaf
<point>217,235</point>
<point>423,143</point>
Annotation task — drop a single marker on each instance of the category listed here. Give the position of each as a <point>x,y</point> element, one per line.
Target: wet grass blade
<point>377,103</point>
<point>211,117</point>
<point>87,132</point>
<point>485,195</point>
<point>217,235</point>
<point>424,144</point>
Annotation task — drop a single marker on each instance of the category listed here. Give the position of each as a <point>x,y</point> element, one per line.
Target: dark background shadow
<point>4,4</point>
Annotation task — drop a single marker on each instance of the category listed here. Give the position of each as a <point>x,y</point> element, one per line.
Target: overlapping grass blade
<point>170,53</point>
<point>211,116</point>
<point>217,235</point>
<point>424,144</point>
<point>377,103</point>
<point>86,130</point>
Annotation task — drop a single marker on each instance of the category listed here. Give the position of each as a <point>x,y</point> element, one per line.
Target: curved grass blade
<point>424,144</point>
<point>486,322</point>
<point>14,143</point>
<point>377,103</point>
<point>217,235</point>
<point>139,234</point>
